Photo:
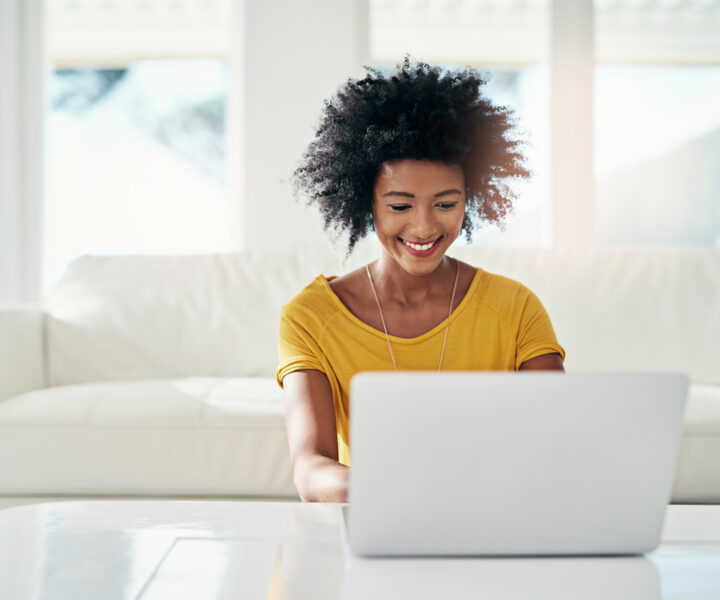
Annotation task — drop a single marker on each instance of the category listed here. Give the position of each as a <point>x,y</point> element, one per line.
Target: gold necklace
<point>382,317</point>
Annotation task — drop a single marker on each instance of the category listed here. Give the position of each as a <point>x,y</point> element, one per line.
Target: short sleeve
<point>535,334</point>
<point>297,349</point>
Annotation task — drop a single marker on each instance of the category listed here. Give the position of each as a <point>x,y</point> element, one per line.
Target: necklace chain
<point>382,317</point>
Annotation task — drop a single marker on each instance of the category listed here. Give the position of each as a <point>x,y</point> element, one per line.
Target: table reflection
<point>511,578</point>
<point>314,562</point>
<point>311,561</point>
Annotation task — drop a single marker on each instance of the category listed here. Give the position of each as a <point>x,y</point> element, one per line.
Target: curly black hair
<point>417,113</point>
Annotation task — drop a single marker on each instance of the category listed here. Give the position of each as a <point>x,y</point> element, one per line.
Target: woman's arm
<point>545,362</point>
<point>312,436</point>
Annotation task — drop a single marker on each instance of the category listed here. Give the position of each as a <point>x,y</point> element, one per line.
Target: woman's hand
<point>312,437</point>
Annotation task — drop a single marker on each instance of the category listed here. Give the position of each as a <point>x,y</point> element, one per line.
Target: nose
<point>423,225</point>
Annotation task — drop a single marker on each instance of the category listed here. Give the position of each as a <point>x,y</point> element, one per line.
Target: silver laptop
<point>511,463</point>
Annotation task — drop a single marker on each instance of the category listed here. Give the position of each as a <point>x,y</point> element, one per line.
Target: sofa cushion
<point>217,437</point>
<point>191,436</point>
<point>698,472</point>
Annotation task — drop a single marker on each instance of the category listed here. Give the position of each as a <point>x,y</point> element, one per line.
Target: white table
<point>286,550</point>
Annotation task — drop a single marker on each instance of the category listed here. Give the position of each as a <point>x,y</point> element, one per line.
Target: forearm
<point>321,479</point>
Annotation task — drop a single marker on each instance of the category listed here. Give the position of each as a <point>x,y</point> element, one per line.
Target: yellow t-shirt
<point>497,326</point>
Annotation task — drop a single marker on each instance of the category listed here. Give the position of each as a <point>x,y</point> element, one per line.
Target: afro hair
<point>417,113</point>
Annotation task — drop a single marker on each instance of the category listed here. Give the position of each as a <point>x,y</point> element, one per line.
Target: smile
<point>421,249</point>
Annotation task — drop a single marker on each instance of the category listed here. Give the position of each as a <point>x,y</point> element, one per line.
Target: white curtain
<point>22,117</point>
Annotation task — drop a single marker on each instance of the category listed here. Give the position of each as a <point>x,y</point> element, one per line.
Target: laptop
<point>501,464</point>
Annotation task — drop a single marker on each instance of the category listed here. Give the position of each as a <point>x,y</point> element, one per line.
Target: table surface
<point>285,550</point>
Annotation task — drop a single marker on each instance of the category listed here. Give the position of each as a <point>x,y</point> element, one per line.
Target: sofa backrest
<point>624,309</point>
<point>136,317</point>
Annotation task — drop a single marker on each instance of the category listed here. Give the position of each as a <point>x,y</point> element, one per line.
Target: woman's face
<point>418,208</point>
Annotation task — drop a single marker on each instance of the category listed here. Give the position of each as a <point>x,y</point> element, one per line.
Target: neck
<point>395,284</point>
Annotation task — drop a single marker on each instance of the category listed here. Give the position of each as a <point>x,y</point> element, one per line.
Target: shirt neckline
<point>325,281</point>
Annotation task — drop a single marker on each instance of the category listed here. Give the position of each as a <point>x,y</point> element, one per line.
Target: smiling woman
<point>418,210</point>
<point>418,157</point>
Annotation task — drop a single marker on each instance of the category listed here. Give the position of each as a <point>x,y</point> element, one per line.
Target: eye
<point>399,207</point>
<point>447,205</point>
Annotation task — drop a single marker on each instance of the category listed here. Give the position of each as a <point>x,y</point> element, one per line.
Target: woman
<point>417,157</point>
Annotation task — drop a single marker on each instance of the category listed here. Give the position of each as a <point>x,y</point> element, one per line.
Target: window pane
<point>657,147</point>
<point>657,124</point>
<point>507,40</point>
<point>136,146</point>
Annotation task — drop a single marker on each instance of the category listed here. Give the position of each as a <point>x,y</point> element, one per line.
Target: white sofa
<point>153,376</point>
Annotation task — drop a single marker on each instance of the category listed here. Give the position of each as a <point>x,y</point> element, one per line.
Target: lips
<point>421,253</point>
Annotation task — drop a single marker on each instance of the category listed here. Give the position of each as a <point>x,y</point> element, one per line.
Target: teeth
<point>419,246</point>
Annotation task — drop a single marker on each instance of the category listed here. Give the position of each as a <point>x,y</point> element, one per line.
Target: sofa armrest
<point>22,352</point>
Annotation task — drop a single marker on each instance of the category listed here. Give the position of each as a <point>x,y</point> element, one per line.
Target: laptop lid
<point>511,463</point>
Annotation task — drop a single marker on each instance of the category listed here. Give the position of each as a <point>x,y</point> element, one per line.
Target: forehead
<point>407,174</point>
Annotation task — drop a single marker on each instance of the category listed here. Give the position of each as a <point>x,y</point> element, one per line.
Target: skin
<point>415,201</point>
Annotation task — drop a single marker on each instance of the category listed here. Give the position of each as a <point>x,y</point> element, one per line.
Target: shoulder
<point>499,288</point>
<point>311,306</point>
<point>511,300</point>
<point>351,288</point>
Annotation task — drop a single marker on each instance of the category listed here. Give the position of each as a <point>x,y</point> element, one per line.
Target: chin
<point>422,266</point>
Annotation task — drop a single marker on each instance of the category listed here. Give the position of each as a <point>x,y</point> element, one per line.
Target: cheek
<point>455,221</point>
<point>386,226</point>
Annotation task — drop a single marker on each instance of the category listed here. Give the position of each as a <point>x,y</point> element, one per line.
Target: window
<point>136,132</point>
<point>510,42</point>
<point>656,127</point>
<point>657,123</point>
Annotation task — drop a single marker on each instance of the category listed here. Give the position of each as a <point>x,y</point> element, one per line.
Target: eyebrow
<point>409,195</point>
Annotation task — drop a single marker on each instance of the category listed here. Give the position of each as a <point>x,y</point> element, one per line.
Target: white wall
<point>22,115</point>
<point>288,57</point>
<point>572,181</point>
